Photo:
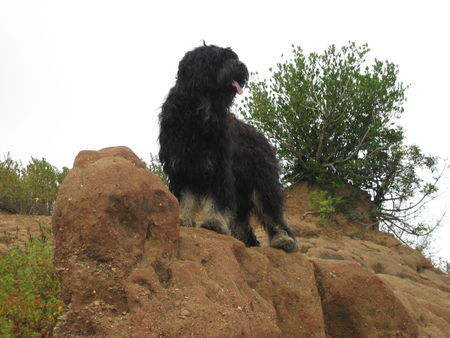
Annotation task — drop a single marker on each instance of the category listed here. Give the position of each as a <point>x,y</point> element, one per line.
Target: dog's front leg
<point>189,206</point>
<point>216,218</point>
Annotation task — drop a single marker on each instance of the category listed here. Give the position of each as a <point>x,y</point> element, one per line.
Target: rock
<point>110,211</point>
<point>185,313</point>
<point>220,288</point>
<point>128,270</point>
<point>427,305</point>
<point>356,303</point>
<point>208,282</point>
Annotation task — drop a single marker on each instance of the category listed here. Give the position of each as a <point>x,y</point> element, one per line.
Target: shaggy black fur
<point>214,161</point>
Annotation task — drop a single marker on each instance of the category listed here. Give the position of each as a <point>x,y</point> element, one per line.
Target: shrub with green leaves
<point>13,194</point>
<point>31,189</point>
<point>324,205</point>
<point>29,289</point>
<point>156,168</point>
<point>332,119</point>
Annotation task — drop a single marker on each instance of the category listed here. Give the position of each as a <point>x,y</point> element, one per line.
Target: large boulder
<point>356,303</point>
<point>128,270</point>
<point>110,211</point>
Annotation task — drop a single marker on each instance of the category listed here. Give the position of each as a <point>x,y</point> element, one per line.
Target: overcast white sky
<point>78,75</point>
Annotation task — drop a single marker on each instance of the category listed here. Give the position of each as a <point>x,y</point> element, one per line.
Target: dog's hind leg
<point>242,230</point>
<point>240,226</point>
<point>215,218</point>
<point>189,207</point>
<point>269,211</point>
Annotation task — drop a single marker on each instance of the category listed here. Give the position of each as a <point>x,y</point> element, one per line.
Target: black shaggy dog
<point>216,163</point>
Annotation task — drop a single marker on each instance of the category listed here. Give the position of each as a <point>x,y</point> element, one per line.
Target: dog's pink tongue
<point>238,87</point>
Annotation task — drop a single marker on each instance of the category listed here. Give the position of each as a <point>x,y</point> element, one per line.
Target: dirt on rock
<point>128,269</point>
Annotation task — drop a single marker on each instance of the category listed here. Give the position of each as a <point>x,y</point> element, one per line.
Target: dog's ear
<point>196,71</point>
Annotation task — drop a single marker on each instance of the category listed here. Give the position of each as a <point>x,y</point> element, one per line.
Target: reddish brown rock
<point>202,293</point>
<point>128,270</point>
<point>426,304</point>
<point>218,288</point>
<point>109,212</point>
<point>356,303</point>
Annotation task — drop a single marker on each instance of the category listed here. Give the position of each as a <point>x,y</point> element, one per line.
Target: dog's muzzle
<point>234,73</point>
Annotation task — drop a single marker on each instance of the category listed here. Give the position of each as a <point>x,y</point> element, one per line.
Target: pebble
<point>185,313</point>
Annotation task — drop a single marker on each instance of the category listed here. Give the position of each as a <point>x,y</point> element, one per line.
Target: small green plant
<point>324,205</point>
<point>156,167</point>
<point>29,289</point>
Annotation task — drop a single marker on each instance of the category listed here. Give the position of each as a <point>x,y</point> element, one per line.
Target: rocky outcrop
<point>128,270</point>
<point>108,211</point>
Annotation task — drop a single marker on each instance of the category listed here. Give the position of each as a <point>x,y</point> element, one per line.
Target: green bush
<point>31,189</point>
<point>155,167</point>
<point>324,204</point>
<point>13,195</point>
<point>333,119</point>
<point>29,289</point>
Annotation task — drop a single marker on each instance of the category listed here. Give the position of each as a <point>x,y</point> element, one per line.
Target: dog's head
<point>211,71</point>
